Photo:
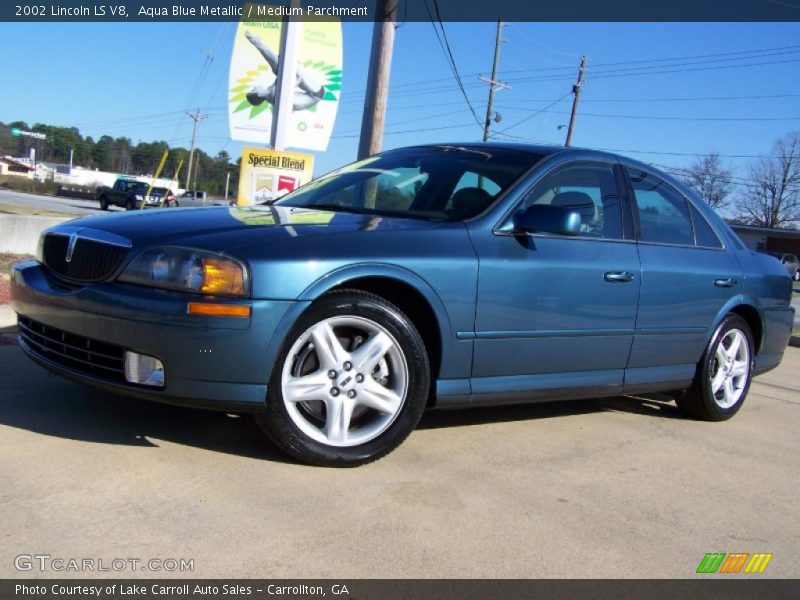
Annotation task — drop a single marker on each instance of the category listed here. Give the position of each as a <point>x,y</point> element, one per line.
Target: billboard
<point>267,175</point>
<point>253,77</point>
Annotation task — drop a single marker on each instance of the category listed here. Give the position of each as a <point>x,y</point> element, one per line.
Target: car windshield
<point>446,183</point>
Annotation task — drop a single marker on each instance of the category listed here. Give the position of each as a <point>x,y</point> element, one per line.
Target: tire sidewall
<point>413,350</point>
<point>728,323</point>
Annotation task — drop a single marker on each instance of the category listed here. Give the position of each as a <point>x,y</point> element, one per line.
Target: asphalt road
<point>620,487</point>
<point>70,206</point>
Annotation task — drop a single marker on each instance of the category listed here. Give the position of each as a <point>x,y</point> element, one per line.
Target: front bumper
<point>209,362</point>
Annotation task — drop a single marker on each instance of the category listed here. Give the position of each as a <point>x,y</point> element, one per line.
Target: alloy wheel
<point>344,381</point>
<point>730,369</point>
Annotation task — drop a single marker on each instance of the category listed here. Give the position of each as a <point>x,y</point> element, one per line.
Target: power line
<point>761,52</point>
<point>615,74</point>
<point>533,114</point>
<point>340,136</point>
<point>445,45</point>
<point>674,99</point>
<point>660,118</point>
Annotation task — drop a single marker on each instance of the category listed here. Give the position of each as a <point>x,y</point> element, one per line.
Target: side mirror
<point>547,219</point>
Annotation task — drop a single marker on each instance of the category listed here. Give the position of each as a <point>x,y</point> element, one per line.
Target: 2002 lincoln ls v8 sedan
<point>442,275</point>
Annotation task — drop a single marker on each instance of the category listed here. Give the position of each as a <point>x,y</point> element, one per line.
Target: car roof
<point>541,150</point>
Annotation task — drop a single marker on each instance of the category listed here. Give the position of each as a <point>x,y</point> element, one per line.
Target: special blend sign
<point>267,175</point>
<point>253,81</point>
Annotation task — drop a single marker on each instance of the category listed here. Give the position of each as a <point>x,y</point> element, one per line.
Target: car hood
<point>224,229</point>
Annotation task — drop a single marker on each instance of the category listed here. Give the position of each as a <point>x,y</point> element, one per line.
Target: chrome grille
<point>75,352</point>
<point>91,260</point>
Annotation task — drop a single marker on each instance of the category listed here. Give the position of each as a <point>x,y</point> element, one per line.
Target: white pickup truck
<point>197,198</point>
<point>192,198</point>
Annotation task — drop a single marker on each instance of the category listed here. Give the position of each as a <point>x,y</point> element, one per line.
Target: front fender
<point>451,356</point>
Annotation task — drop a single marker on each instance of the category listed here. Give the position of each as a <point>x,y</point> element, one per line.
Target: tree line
<point>119,155</point>
<point>768,195</point>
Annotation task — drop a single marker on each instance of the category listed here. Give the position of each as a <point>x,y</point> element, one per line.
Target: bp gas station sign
<point>253,83</point>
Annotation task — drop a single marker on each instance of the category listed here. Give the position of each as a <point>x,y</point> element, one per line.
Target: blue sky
<point>134,79</point>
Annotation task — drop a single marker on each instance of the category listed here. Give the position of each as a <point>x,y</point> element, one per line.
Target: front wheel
<point>350,384</point>
<point>723,374</point>
<point>103,203</point>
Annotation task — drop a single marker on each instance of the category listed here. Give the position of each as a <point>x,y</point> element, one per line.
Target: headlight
<point>188,270</point>
<point>139,197</point>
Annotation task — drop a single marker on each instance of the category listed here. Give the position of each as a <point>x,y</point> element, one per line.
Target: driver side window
<point>589,189</point>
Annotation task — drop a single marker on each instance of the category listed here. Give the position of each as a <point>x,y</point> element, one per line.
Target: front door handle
<point>725,282</point>
<point>618,276</point>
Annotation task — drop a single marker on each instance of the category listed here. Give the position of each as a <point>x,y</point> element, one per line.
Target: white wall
<point>19,234</point>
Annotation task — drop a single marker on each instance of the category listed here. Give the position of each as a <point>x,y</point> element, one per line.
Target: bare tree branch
<point>772,199</point>
<point>712,182</point>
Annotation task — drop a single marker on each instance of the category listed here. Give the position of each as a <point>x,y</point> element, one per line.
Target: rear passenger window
<point>663,212</point>
<point>703,234</point>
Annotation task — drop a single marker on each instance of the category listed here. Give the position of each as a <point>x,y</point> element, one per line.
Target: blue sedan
<point>432,276</point>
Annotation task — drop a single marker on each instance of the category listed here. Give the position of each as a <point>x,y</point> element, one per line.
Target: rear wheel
<point>723,374</point>
<point>351,383</point>
<point>103,203</point>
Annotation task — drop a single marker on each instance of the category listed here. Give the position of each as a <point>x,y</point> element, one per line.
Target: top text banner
<point>407,10</point>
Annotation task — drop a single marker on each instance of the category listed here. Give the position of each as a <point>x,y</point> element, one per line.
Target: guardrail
<point>77,191</point>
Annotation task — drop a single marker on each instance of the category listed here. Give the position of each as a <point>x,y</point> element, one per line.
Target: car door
<point>687,279</point>
<point>557,313</point>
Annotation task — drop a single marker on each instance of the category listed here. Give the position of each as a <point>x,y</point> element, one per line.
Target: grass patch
<point>23,184</point>
<point>18,209</point>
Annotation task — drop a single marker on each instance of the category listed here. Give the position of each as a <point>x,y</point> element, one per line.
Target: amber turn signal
<point>218,310</point>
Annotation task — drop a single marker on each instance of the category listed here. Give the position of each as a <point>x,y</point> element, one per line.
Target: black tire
<point>279,425</point>
<point>129,205</point>
<point>103,203</point>
<point>699,401</point>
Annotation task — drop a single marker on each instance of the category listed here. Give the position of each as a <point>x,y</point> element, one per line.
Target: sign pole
<point>286,83</point>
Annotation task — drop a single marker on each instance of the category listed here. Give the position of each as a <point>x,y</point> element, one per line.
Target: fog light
<point>143,369</point>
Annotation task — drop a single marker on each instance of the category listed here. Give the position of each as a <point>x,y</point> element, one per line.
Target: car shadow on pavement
<point>80,413</point>
<point>52,406</point>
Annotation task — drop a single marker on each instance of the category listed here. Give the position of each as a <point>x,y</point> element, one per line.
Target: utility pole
<point>380,65</point>
<point>227,184</point>
<point>576,89</point>
<point>493,83</point>
<point>196,117</point>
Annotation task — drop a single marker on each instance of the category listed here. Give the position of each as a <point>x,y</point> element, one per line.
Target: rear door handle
<point>725,282</point>
<point>618,277</point>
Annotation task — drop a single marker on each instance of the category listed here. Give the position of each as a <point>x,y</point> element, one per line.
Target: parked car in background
<point>433,276</point>
<point>790,262</point>
<point>132,194</point>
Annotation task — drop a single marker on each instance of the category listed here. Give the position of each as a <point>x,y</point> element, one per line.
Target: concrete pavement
<point>621,487</point>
